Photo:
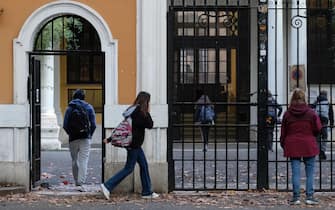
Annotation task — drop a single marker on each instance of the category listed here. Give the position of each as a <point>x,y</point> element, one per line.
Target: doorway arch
<point>24,43</point>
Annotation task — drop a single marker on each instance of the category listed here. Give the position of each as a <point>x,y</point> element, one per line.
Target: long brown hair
<point>298,97</point>
<point>143,99</point>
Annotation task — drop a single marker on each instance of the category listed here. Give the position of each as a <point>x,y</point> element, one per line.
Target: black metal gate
<point>237,52</point>
<point>34,95</point>
<point>75,40</point>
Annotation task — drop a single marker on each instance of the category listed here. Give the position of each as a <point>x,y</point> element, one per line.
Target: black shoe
<point>205,148</point>
<point>322,155</point>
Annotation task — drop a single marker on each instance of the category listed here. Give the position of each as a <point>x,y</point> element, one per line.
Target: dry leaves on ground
<point>222,199</point>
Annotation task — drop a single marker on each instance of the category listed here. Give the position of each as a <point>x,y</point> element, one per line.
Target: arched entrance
<point>25,47</point>
<point>67,56</point>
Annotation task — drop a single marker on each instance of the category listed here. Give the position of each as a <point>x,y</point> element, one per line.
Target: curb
<point>12,190</point>
<point>64,194</point>
<point>69,190</point>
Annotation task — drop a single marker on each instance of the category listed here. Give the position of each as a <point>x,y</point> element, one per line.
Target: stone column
<point>49,125</point>
<point>151,77</point>
<point>152,71</point>
<point>276,36</point>
<point>297,33</point>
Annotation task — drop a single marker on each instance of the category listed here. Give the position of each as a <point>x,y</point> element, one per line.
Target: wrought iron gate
<point>237,52</point>
<point>34,95</point>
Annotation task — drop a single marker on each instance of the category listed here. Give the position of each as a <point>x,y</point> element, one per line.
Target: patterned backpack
<point>122,135</point>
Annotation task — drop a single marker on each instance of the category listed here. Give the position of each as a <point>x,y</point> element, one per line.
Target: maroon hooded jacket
<point>300,126</point>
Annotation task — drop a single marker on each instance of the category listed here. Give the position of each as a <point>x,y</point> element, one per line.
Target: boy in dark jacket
<point>272,118</point>
<point>79,144</point>
<point>326,114</point>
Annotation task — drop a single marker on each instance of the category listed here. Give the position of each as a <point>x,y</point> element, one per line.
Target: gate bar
<point>262,151</point>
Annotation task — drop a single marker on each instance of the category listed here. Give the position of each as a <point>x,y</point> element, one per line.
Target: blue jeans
<point>309,170</point>
<point>204,134</point>
<point>204,130</point>
<point>133,156</point>
<point>270,130</point>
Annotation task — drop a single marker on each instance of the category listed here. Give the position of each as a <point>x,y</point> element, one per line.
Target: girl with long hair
<point>141,119</point>
<point>300,126</point>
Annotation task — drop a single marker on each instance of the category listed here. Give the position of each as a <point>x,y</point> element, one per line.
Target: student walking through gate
<point>79,124</point>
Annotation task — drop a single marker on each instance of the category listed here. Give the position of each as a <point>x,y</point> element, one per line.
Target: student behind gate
<point>79,143</point>
<point>141,119</point>
<point>326,114</point>
<point>203,100</point>
<point>272,118</point>
<point>300,126</point>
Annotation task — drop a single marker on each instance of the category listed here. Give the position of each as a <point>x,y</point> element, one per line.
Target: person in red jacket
<point>300,127</point>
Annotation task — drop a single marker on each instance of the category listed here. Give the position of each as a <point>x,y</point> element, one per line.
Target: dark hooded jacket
<point>140,122</point>
<point>78,100</point>
<point>300,126</point>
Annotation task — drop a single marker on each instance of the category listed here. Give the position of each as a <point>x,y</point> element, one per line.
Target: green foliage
<point>62,33</point>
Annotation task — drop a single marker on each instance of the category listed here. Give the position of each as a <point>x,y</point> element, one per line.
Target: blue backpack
<point>272,108</point>
<point>206,114</point>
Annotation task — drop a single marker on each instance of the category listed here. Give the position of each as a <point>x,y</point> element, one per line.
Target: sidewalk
<point>56,168</point>
<point>175,200</point>
<point>145,206</point>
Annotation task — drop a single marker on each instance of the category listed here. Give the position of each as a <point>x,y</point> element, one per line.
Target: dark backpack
<point>79,123</point>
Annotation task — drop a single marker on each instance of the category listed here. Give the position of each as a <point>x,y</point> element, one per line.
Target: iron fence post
<point>262,152</point>
<point>170,64</point>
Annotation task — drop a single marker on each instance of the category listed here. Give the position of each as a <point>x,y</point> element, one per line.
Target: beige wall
<point>120,15</point>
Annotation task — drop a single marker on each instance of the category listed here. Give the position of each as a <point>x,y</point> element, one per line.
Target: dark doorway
<point>73,46</point>
<point>208,51</point>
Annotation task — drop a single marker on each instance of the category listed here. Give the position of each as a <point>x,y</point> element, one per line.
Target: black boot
<point>322,155</point>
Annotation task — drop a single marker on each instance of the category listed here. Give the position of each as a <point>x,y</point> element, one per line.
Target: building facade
<point>235,50</point>
<point>131,49</point>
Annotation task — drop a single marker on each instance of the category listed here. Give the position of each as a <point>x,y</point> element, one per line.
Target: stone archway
<point>25,41</point>
<point>24,44</point>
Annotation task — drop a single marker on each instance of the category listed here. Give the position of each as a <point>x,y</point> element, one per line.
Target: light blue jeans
<point>133,156</point>
<point>80,151</point>
<point>309,170</point>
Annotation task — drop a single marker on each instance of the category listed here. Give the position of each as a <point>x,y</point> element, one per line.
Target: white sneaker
<point>153,195</point>
<point>311,201</point>
<point>82,188</point>
<point>104,191</point>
